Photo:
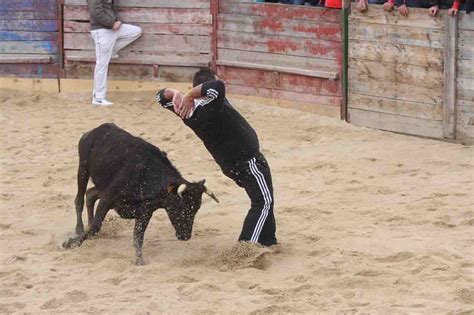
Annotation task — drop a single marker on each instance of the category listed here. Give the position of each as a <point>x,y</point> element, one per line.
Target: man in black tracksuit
<point>234,145</point>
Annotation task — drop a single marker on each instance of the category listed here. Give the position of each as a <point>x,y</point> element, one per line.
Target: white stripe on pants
<point>108,42</point>
<point>266,197</point>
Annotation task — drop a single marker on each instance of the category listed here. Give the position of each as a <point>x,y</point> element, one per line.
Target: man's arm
<point>212,90</point>
<point>100,15</point>
<point>168,97</point>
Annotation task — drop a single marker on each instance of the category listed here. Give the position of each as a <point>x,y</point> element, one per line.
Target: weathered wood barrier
<point>176,40</point>
<point>402,73</point>
<point>29,38</point>
<point>412,74</point>
<point>280,52</point>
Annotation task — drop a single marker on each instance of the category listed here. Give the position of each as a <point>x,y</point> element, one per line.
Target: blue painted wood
<point>29,70</point>
<point>28,47</point>
<point>25,36</point>
<point>25,5</point>
<point>30,25</point>
<point>29,15</point>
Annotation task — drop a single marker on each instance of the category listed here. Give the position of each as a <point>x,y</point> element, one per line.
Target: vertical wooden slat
<point>214,12</point>
<point>449,104</point>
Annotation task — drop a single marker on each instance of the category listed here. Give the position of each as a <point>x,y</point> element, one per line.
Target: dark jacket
<point>102,13</point>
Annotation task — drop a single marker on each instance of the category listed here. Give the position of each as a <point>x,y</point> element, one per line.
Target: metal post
<point>345,58</point>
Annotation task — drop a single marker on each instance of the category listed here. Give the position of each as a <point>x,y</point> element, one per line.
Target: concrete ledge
<point>37,85</point>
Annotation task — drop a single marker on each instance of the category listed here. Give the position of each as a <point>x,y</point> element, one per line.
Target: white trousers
<point>109,42</point>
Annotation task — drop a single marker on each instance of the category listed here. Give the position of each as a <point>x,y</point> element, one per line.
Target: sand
<point>368,221</point>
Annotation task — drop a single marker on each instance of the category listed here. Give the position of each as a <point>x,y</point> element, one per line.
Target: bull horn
<point>211,194</point>
<point>181,189</point>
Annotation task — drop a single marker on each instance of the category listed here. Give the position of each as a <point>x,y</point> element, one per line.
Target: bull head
<point>183,208</point>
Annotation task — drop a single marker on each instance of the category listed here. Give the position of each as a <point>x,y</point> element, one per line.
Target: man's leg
<point>104,40</point>
<point>126,35</point>
<point>259,224</point>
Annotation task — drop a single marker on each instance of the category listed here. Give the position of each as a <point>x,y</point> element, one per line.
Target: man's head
<point>204,75</point>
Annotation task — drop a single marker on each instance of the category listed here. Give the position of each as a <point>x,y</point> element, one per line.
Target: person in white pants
<point>110,35</point>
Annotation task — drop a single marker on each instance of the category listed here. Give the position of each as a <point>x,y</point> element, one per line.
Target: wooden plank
<point>465,121</point>
<point>27,36</point>
<point>146,15</point>
<point>433,38</point>
<point>28,47</point>
<point>396,107</point>
<point>397,73</point>
<point>29,15</point>
<point>398,91</point>
<point>280,45</point>
<point>174,59</point>
<point>138,72</point>
<point>449,97</point>
<point>418,18</point>
<point>403,124</point>
<point>29,25</point>
<point>278,60</point>
<point>147,43</point>
<point>29,70</point>
<point>282,27</point>
<point>148,28</point>
<point>285,95</point>
<point>465,89</point>
<point>279,81</point>
<point>190,4</point>
<point>281,11</point>
<point>466,22</point>
<point>465,68</point>
<point>466,44</point>
<point>396,53</point>
<point>26,58</point>
<point>303,72</point>
<point>25,5</point>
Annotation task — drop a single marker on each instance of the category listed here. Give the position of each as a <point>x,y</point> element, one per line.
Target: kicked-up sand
<point>368,221</point>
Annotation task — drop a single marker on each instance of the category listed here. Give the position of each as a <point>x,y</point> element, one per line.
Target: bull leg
<point>141,224</point>
<point>100,214</point>
<point>92,194</point>
<point>82,179</point>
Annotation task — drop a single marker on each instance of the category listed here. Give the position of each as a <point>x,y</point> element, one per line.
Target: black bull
<point>135,178</point>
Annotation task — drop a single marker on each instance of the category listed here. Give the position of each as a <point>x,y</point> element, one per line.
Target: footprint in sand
<point>244,255</point>
<point>76,296</point>
<point>398,257</point>
<point>51,304</point>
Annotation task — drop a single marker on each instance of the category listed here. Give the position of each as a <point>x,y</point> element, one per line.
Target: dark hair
<point>203,75</point>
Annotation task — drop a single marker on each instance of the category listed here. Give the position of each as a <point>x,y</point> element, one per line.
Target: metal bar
<point>345,58</point>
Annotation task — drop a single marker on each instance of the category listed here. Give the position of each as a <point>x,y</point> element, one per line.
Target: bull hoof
<point>140,261</point>
<point>79,230</point>
<point>72,242</point>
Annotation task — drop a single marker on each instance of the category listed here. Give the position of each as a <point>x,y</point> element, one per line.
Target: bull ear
<point>202,182</point>
<point>170,188</point>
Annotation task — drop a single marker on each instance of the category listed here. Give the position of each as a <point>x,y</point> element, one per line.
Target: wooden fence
<point>402,73</point>
<point>464,128</point>
<point>280,52</point>
<point>176,40</point>
<point>412,74</point>
<point>29,38</point>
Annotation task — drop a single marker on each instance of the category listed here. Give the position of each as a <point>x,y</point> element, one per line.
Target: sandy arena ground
<point>369,221</point>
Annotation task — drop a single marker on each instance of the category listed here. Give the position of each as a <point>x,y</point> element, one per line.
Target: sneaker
<point>101,102</point>
<point>114,55</point>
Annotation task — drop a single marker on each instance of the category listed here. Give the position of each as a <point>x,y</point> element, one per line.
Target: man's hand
<point>403,10</point>
<point>452,12</point>
<point>177,99</point>
<point>433,10</point>
<point>388,6</point>
<point>361,5</point>
<point>117,25</point>
<point>186,106</point>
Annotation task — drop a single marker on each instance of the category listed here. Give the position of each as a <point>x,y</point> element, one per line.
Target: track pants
<point>254,176</point>
<point>109,42</point>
